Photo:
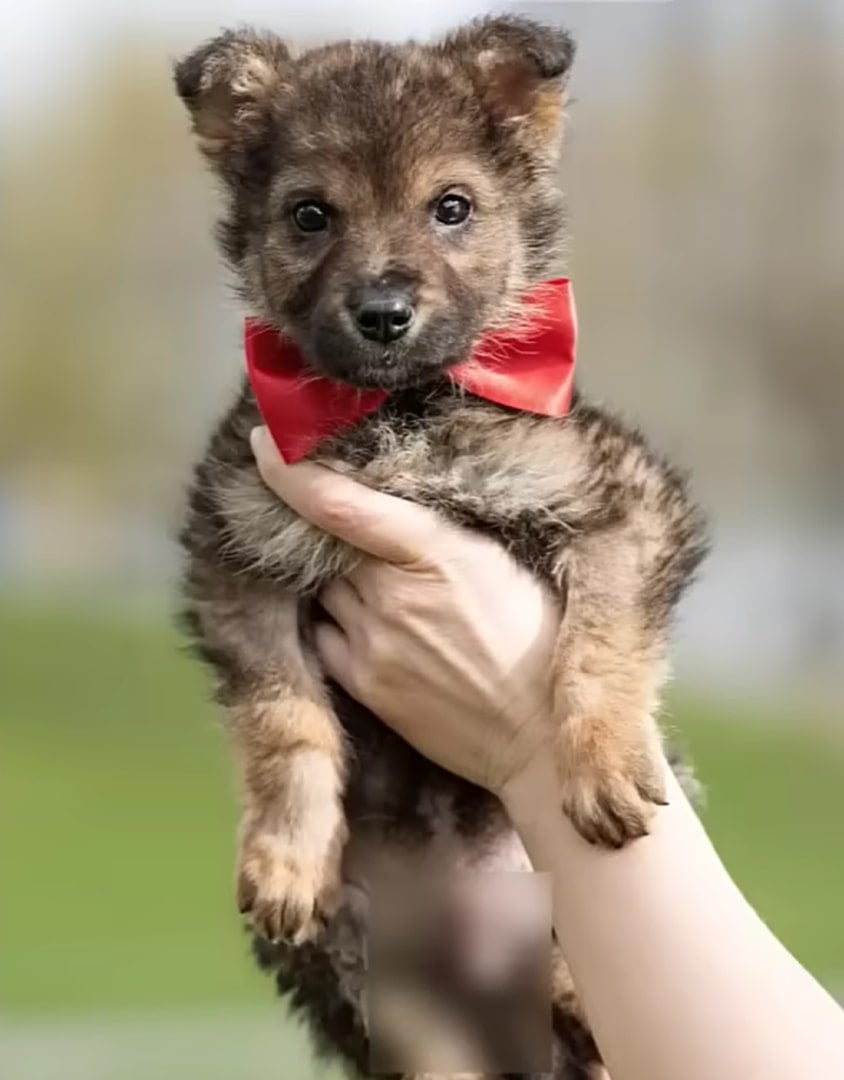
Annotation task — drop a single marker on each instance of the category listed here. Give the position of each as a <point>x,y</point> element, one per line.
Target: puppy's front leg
<point>292,830</point>
<point>289,746</point>
<point>610,666</point>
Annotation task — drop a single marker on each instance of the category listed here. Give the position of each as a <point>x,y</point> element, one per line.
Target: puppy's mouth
<point>413,362</point>
<point>386,371</point>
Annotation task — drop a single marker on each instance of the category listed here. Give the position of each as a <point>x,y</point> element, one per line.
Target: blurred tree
<point>798,280</point>
<point>710,205</point>
<point>108,273</point>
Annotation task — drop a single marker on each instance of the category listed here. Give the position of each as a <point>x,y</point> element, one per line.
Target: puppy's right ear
<point>229,85</point>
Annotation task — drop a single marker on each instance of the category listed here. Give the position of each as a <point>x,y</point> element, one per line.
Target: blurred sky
<point>42,37</point>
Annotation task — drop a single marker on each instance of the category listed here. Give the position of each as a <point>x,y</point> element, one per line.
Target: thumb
<point>382,525</point>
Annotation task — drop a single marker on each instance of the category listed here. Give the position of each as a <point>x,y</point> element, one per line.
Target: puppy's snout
<point>383,311</point>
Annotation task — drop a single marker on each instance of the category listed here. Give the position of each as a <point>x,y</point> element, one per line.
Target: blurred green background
<point>121,953</point>
<point>706,177</point>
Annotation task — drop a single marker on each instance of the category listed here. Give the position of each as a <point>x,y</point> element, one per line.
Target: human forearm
<point>679,977</point>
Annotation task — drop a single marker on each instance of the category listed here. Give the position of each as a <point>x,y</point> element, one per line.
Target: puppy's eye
<point>452,209</point>
<point>311,215</point>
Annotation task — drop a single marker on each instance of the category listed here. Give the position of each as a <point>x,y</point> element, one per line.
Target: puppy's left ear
<point>229,86</point>
<point>520,67</point>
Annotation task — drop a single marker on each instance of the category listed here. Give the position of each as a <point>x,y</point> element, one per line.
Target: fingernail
<point>255,437</point>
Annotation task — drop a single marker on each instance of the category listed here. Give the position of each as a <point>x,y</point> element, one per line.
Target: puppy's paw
<point>610,792</point>
<point>286,895</point>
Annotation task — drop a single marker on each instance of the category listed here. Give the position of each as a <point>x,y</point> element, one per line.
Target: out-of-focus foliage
<point>109,290</point>
<point>709,230</point>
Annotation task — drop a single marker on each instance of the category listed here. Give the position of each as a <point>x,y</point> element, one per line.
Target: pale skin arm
<point>443,637</point>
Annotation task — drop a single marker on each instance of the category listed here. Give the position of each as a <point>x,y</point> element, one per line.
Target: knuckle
<point>268,470</point>
<point>376,651</point>
<point>403,608</point>
<point>417,595</point>
<point>361,680</point>
<point>337,512</point>
<point>330,592</point>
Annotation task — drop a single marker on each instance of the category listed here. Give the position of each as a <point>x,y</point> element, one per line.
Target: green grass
<point>775,809</point>
<point>117,821</point>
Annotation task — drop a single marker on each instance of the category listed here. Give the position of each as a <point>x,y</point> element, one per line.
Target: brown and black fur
<point>378,133</point>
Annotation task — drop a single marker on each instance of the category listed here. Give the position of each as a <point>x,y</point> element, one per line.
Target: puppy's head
<point>385,204</point>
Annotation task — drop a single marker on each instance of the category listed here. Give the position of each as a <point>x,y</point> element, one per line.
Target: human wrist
<point>532,791</point>
<point>533,798</point>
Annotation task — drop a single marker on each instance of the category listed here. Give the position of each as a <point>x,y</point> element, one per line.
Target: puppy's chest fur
<point>533,483</point>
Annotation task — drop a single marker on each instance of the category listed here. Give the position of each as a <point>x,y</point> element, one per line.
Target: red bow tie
<point>530,368</point>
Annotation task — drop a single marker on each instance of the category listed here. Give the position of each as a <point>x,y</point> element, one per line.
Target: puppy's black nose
<point>383,312</point>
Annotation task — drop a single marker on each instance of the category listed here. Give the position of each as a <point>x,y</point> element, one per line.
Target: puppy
<point>423,178</point>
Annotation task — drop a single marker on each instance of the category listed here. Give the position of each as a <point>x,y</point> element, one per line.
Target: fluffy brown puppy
<point>426,176</point>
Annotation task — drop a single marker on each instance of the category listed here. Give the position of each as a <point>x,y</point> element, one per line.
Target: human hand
<point>438,631</point>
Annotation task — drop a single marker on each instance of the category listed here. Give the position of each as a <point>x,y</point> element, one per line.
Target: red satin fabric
<point>530,368</point>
